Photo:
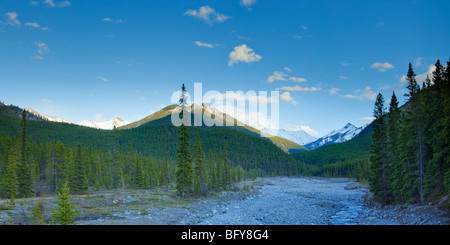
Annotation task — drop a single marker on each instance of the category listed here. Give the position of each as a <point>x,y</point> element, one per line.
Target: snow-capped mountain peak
<point>117,122</point>
<point>56,119</point>
<point>348,132</point>
<point>29,110</point>
<point>46,117</point>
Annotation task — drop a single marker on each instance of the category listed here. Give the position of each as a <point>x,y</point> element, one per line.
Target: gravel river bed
<point>264,201</point>
<point>311,201</point>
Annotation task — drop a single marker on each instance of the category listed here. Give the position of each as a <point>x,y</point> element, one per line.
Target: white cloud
<point>367,94</point>
<point>61,4</point>
<point>286,96</point>
<point>382,67</point>
<point>298,88</point>
<point>34,3</point>
<point>208,14</point>
<point>102,78</point>
<point>36,25</point>
<point>287,69</point>
<point>421,77</point>
<point>49,3</point>
<point>297,36</point>
<point>248,3</point>
<point>12,19</point>
<point>351,96</point>
<point>244,54</point>
<point>343,77</point>
<point>202,44</point>
<point>403,79</point>
<point>112,20</point>
<point>32,24</point>
<point>42,50</point>
<point>334,91</point>
<point>281,76</point>
<point>276,76</point>
<point>304,27</point>
<point>298,79</point>
<point>305,128</point>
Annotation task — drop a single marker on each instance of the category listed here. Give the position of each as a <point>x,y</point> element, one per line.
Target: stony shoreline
<point>264,201</point>
<point>350,204</point>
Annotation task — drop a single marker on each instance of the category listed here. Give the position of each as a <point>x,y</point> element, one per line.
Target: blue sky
<point>328,59</point>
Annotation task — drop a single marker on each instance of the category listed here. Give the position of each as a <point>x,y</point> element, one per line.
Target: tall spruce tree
<point>379,184</point>
<point>117,164</point>
<point>78,180</point>
<point>437,141</point>
<point>184,172</point>
<point>446,129</point>
<point>412,144</point>
<point>393,129</point>
<point>407,173</point>
<point>412,86</point>
<point>9,184</point>
<point>25,188</point>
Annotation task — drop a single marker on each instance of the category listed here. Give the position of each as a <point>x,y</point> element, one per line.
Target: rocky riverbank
<point>312,201</point>
<point>268,201</point>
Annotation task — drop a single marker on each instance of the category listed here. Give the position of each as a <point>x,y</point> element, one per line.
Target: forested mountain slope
<point>151,139</point>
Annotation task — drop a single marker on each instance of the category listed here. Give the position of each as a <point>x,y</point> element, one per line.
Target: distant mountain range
<point>110,124</point>
<point>164,116</point>
<point>288,141</point>
<point>46,117</point>
<point>348,132</point>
